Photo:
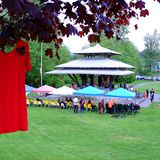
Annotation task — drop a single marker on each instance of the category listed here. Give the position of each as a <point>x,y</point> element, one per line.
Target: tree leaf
<point>136,26</point>
<point>144,13</point>
<point>49,52</point>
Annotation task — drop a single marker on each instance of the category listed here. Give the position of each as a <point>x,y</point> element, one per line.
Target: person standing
<point>152,95</point>
<point>101,106</point>
<point>147,93</point>
<point>82,105</point>
<point>152,91</point>
<point>89,105</point>
<point>75,103</point>
<point>111,105</point>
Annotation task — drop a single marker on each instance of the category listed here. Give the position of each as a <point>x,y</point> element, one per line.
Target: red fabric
<point>13,110</point>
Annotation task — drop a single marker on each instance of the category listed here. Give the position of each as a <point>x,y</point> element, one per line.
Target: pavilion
<point>96,64</point>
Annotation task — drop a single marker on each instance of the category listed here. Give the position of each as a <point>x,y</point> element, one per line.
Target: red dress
<point>13,110</point>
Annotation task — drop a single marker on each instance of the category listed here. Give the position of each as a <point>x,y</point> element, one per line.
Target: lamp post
<point>41,69</point>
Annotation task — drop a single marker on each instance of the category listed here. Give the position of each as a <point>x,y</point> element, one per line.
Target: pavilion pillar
<point>99,81</point>
<point>83,79</point>
<point>91,80</point>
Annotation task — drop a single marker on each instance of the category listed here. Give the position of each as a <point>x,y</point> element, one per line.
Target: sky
<point>146,26</point>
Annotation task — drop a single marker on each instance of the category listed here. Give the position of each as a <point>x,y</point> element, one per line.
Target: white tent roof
<point>95,63</point>
<point>63,91</point>
<point>91,71</point>
<point>97,49</point>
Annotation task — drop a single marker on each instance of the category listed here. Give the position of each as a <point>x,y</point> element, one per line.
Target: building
<point>96,67</point>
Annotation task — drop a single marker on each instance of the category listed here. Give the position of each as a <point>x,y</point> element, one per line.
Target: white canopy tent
<point>63,91</point>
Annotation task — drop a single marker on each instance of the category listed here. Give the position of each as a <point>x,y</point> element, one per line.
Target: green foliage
<point>139,82</point>
<point>151,53</point>
<point>33,77</point>
<point>129,55</point>
<point>125,79</point>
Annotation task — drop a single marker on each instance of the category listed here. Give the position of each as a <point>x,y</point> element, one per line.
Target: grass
<point>154,84</point>
<point>56,134</point>
<point>136,82</point>
<point>139,82</point>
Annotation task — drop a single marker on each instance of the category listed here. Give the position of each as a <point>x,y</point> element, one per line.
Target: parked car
<point>148,78</point>
<point>140,77</point>
<point>157,78</point>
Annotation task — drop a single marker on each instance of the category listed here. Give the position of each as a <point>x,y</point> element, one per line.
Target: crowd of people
<point>81,105</point>
<point>109,107</point>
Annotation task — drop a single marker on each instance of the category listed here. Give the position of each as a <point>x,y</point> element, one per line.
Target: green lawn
<point>139,82</point>
<point>56,134</point>
<point>153,84</point>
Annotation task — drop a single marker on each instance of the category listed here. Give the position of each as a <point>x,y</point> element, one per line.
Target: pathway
<point>145,102</point>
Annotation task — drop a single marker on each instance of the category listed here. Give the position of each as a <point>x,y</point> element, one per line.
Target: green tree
<point>33,77</point>
<point>151,53</point>
<point>129,55</point>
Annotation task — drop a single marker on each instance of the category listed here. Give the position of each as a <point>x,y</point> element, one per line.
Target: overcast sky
<point>145,25</point>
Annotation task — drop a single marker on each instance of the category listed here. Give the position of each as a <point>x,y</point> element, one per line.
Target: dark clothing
<point>76,108</point>
<point>147,93</point>
<point>82,106</point>
<point>101,106</point>
<point>152,92</point>
<point>152,97</point>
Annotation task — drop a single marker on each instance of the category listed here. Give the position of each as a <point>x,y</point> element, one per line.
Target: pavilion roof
<point>95,63</point>
<point>96,50</point>
<point>91,71</point>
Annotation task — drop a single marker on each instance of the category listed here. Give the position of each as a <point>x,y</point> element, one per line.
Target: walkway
<point>145,102</point>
